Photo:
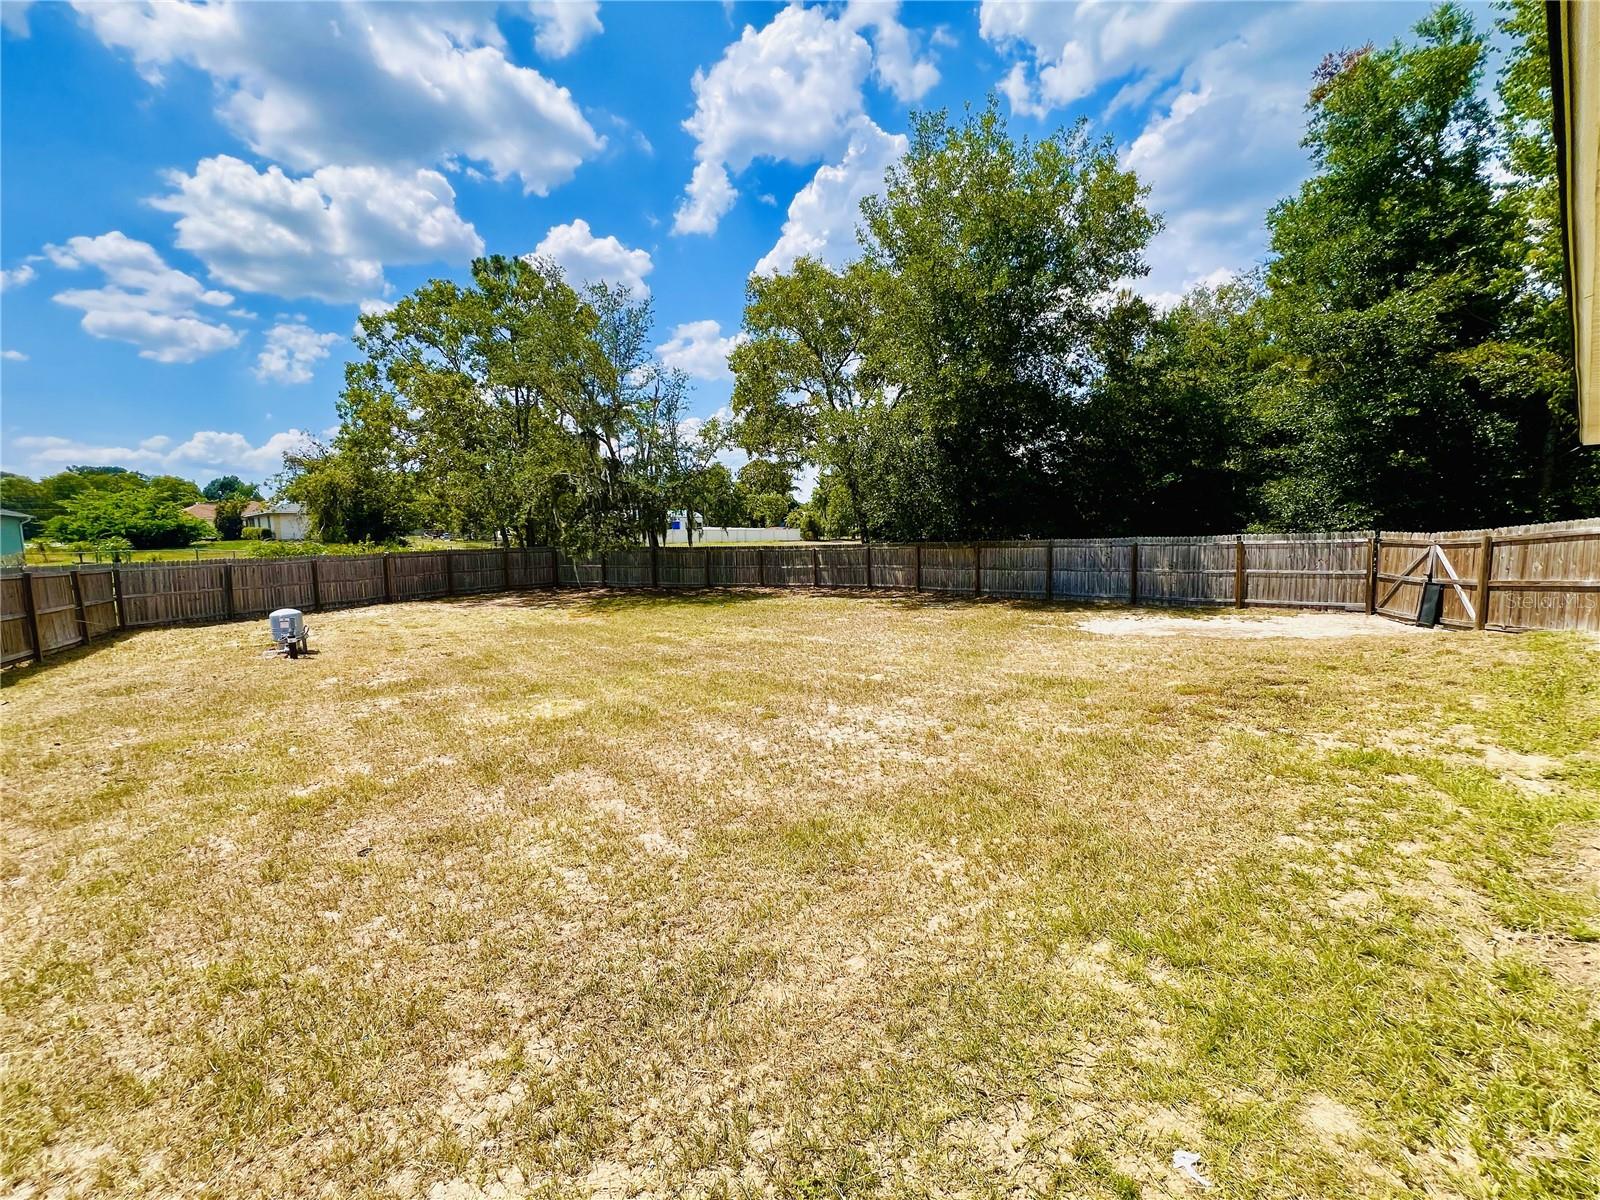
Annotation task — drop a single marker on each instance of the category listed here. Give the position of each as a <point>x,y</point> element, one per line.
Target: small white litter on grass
<point>1296,625</point>
<point>1187,1164</point>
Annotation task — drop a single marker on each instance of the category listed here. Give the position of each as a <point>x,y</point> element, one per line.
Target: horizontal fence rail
<point>1515,578</point>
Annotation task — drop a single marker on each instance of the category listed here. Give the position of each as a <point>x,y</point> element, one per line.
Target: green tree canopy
<point>349,497</point>
<point>717,498</point>
<point>512,404</point>
<point>141,515</point>
<point>231,487</point>
<point>1409,393</point>
<point>982,368</point>
<point>229,518</point>
<point>992,258</point>
<point>805,390</point>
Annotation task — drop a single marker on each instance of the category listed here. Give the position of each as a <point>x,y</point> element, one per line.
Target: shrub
<point>769,509</point>
<point>272,549</point>
<point>252,533</point>
<point>805,520</point>
<point>229,519</point>
<point>141,515</point>
<point>114,548</point>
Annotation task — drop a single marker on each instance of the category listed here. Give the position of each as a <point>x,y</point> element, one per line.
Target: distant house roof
<point>10,512</point>
<point>279,507</point>
<point>205,510</point>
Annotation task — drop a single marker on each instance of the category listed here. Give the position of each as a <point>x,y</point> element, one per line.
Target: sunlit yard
<point>740,895</point>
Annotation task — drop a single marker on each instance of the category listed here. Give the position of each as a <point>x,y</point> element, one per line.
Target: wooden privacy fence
<point>1527,577</point>
<point>44,611</point>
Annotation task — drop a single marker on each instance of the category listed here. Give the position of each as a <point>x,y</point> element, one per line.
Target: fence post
<point>505,566</point>
<point>977,568</point>
<point>916,571</point>
<point>1238,573</point>
<point>1133,573</point>
<point>316,588</point>
<point>869,563</point>
<point>1485,573</point>
<point>116,597</point>
<point>227,589</point>
<point>77,604</point>
<point>450,572</point>
<point>602,570</point>
<point>1374,549</point>
<point>555,568</point>
<point>388,578</point>
<point>31,616</point>
<point>761,565</point>
<point>655,567</point>
<point>707,552</point>
<point>816,567</point>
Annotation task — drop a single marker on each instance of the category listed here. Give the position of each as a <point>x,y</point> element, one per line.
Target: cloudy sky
<point>199,200</point>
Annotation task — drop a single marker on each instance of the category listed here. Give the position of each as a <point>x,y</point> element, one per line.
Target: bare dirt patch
<point>1312,625</point>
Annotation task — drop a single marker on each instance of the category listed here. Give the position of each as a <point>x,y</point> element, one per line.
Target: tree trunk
<point>1548,502</point>
<point>855,503</point>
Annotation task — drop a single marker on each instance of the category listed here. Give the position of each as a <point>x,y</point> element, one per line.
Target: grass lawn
<point>801,896</point>
<point>37,554</point>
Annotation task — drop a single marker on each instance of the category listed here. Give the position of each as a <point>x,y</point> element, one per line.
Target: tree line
<point>983,368</point>
<point>114,509</point>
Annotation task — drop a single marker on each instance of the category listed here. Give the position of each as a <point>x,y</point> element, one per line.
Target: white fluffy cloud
<point>564,25</point>
<point>823,214</point>
<point>791,91</point>
<point>1019,93</point>
<point>14,17</point>
<point>785,91</point>
<point>16,277</point>
<point>1221,90</point>
<point>13,356</point>
<point>204,452</point>
<point>413,84</point>
<point>588,259</point>
<point>1070,49</point>
<point>706,200</point>
<point>370,307</point>
<point>211,449</point>
<point>327,235</point>
<point>54,452</point>
<point>145,302</point>
<point>895,63</point>
<point>699,350</point>
<point>292,349</point>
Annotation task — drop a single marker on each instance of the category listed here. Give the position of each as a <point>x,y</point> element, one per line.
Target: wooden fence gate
<point>1518,577</point>
<point>1400,594</point>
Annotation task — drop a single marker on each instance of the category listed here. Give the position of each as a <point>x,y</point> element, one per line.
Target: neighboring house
<point>207,511</point>
<point>11,535</point>
<point>286,521</point>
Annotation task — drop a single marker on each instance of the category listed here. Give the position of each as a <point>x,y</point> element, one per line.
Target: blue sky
<point>197,201</point>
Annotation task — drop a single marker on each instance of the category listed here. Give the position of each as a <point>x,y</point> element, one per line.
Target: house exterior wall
<point>11,539</point>
<point>285,527</point>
